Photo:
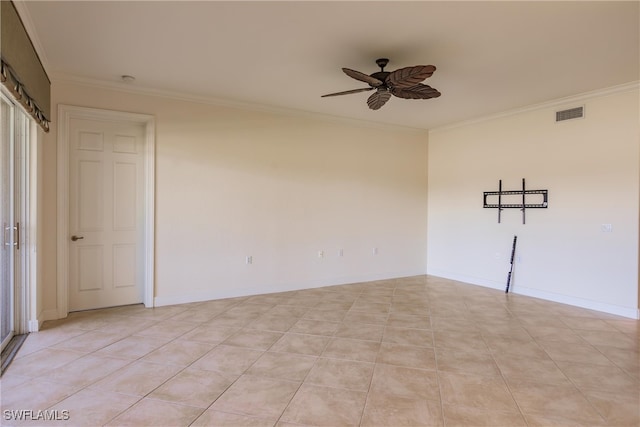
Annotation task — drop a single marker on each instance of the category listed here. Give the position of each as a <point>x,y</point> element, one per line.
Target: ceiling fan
<point>403,83</point>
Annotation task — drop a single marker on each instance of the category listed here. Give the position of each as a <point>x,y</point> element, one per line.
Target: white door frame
<point>65,114</point>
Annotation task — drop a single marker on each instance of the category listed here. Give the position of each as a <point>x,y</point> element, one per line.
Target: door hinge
<point>14,240</point>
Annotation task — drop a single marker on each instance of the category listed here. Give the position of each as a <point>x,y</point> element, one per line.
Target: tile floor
<point>415,351</point>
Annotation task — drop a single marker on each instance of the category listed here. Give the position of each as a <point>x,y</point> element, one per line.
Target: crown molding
<point>220,102</point>
<point>573,99</point>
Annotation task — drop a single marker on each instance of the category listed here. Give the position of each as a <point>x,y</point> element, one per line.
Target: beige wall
<point>590,167</point>
<point>232,183</point>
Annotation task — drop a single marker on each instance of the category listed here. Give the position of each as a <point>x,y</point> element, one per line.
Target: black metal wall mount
<point>523,205</point>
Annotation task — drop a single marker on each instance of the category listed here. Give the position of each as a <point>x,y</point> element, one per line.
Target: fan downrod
<point>382,62</point>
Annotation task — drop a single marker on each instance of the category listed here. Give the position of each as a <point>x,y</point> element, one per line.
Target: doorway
<point>105,208</point>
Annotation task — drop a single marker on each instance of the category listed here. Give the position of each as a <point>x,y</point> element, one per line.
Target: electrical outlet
<point>249,260</point>
<point>320,254</point>
<point>606,228</point>
<point>375,251</point>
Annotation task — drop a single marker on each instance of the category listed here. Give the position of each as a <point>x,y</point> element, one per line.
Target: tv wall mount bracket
<point>522,203</point>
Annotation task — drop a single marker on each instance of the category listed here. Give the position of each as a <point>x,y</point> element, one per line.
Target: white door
<point>106,217</point>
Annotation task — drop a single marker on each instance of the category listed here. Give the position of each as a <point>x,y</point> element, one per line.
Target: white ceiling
<point>490,56</point>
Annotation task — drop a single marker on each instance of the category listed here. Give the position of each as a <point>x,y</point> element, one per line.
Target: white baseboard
<point>34,325</point>
<point>631,312</point>
<point>214,294</point>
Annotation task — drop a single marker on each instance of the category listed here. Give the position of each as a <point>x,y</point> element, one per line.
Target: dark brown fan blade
<point>347,92</point>
<point>409,76</point>
<point>378,99</point>
<point>362,77</point>
<point>418,91</point>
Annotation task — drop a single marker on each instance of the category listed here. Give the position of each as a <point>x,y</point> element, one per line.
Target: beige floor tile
<point>341,373</point>
<point>38,363</point>
<point>138,378</point>
<point>47,338</point>
<point>273,322</point>
<point>544,371</point>
<point>578,353</point>
<point>548,333</point>
<point>314,327</point>
<point>360,331</point>
<point>288,310</point>
<point>153,313</point>
<point>325,314</point>
<point>224,419</point>
<point>127,325</point>
<point>85,370</point>
<point>523,346</point>
<point>285,366</point>
<point>133,347</point>
<point>311,345</point>
<point>179,352</point>
<point>267,299</point>
<point>461,416</point>
<point>352,349</point>
<point>588,323</point>
<point>402,346</point>
<point>555,402</point>
<point>208,333</point>
<point>94,407</point>
<point>401,320</point>
<point>370,307</point>
<point>617,409</point>
<point>386,410</point>
<point>408,336</point>
<point>196,315</point>
<point>477,363</point>
<point>149,412</point>
<point>609,338</point>
<point>194,387</point>
<point>363,317</point>
<point>558,421</point>
<point>473,391</point>
<point>257,396</point>
<point>460,340</point>
<point>404,382</point>
<point>323,406</point>
<point>168,329</point>
<point>599,377</point>
<point>10,380</point>
<point>409,308</point>
<point>227,359</point>
<point>253,338</point>
<point>626,360</point>
<point>407,355</point>
<point>91,341</point>
<point>35,395</point>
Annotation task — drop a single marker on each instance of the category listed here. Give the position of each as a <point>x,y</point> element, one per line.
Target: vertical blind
<point>21,70</point>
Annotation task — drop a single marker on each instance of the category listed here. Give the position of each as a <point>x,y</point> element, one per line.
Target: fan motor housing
<point>380,75</point>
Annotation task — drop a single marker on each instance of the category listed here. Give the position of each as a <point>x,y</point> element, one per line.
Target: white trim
<point>633,313</point>
<point>65,114</point>
<point>219,102</point>
<point>261,289</point>
<point>564,102</point>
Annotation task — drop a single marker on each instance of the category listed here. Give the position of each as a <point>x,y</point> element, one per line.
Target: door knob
<point>74,238</point>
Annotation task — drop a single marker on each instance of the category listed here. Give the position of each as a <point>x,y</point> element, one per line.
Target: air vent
<point>571,113</point>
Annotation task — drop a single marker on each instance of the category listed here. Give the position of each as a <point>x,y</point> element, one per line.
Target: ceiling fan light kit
<point>403,83</point>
